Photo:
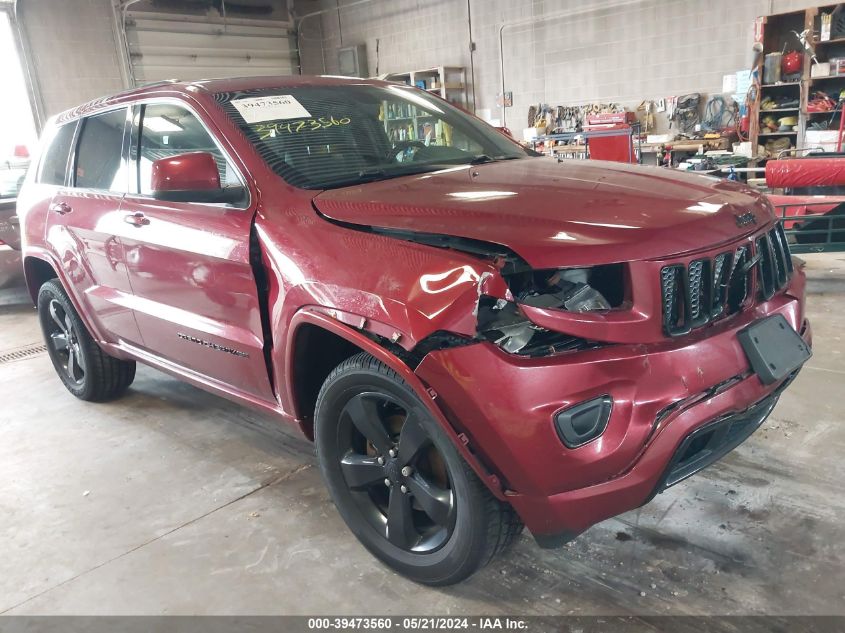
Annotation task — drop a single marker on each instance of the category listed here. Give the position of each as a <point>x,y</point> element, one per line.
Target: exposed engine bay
<point>595,289</point>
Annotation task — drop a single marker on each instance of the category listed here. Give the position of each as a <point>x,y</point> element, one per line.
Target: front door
<point>195,296</point>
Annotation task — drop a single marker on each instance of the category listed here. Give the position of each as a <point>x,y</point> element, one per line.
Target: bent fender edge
<point>427,396</point>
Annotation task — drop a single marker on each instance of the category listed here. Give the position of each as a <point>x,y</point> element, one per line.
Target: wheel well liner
<point>316,353</point>
<point>37,271</point>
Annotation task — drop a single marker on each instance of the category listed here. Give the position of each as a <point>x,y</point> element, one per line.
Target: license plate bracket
<point>773,347</point>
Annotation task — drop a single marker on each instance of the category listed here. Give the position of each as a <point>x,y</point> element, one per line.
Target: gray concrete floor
<point>173,501</point>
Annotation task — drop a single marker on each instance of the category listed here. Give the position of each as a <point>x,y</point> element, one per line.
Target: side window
<point>170,130</point>
<point>53,167</point>
<point>99,152</point>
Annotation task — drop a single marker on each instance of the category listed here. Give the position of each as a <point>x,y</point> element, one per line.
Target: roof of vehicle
<point>233,84</point>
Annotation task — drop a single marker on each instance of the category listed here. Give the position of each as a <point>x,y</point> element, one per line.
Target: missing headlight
<point>571,289</point>
<point>501,322</point>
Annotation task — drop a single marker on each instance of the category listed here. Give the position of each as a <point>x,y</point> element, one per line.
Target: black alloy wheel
<point>83,367</point>
<point>63,339</point>
<point>399,482</point>
<point>397,477</point>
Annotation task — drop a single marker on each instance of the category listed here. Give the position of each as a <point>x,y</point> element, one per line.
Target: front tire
<point>399,482</point>
<point>85,369</point>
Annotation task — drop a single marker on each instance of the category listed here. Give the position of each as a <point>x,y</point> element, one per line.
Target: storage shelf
<point>447,87</point>
<point>780,110</point>
<point>777,133</point>
<point>838,40</point>
<point>815,79</point>
<point>781,84</point>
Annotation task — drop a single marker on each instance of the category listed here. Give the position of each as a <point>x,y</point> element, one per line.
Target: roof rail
<point>152,84</point>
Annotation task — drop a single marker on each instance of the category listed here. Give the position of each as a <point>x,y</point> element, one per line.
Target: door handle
<point>137,219</point>
<point>60,207</point>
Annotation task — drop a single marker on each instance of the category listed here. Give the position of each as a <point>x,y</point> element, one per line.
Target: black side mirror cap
<point>226,195</point>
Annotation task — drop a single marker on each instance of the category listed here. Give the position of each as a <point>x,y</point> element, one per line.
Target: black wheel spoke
<point>364,413</point>
<point>411,439</point>
<point>60,322</point>
<point>80,359</point>
<point>400,520</point>
<point>71,364</point>
<point>436,502</point>
<point>361,471</point>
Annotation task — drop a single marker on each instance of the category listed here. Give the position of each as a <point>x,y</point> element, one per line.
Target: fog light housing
<point>583,422</point>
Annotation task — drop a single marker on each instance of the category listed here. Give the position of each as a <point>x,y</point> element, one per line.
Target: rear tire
<point>85,369</point>
<point>398,481</point>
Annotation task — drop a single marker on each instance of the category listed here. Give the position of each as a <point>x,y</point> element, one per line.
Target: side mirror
<point>191,177</point>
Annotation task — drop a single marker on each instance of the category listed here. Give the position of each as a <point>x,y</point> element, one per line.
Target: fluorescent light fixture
<point>161,124</point>
<point>705,207</point>
<point>607,225</point>
<point>482,195</point>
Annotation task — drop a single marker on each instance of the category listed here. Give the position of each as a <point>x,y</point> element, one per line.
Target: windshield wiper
<point>484,158</point>
<point>371,175</point>
<point>481,158</point>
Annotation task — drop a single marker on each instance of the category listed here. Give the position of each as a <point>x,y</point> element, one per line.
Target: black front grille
<point>707,289</point>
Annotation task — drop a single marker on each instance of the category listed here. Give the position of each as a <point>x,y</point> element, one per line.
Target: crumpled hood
<point>558,214</point>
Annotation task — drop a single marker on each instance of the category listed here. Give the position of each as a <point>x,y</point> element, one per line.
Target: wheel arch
<point>41,267</point>
<point>37,271</point>
<point>311,328</point>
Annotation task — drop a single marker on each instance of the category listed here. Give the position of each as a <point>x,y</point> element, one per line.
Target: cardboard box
<point>826,139</point>
<point>822,69</point>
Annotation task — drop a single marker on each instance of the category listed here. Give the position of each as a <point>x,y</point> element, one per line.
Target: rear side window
<point>169,130</point>
<point>99,153</point>
<point>53,167</point>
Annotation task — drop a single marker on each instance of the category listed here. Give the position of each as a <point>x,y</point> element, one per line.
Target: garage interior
<point>172,501</point>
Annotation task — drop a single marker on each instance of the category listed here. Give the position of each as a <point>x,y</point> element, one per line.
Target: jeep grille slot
<point>775,263</point>
<point>704,290</point>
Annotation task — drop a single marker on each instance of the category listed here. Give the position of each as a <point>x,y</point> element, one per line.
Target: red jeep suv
<point>475,337</point>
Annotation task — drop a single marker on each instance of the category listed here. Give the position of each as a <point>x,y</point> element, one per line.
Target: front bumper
<point>662,393</point>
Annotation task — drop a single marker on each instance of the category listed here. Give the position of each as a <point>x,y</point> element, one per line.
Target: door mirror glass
<point>191,177</point>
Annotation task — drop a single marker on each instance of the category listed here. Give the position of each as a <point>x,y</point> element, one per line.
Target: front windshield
<point>334,136</point>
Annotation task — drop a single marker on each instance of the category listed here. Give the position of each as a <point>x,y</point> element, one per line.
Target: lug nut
<point>392,452</point>
<point>404,489</point>
<point>387,482</point>
<point>406,472</point>
<point>380,461</point>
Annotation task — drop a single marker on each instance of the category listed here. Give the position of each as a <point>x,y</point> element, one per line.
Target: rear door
<point>84,224</point>
<point>195,296</point>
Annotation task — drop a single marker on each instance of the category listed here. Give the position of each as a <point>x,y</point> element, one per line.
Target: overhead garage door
<point>169,46</point>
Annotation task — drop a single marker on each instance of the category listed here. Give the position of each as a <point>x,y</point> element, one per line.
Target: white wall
<point>72,51</point>
<point>647,49</point>
<point>72,47</point>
